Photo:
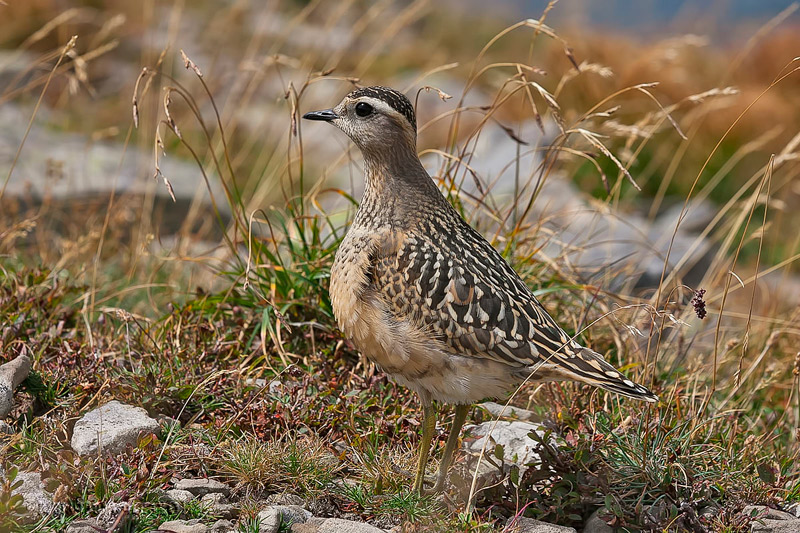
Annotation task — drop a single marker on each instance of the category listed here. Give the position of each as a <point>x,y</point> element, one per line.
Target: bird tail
<point>589,367</point>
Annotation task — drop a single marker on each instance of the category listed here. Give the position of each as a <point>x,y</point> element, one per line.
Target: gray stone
<point>595,524</point>
<point>184,526</point>
<point>223,526</point>
<point>272,517</point>
<point>775,526</point>
<point>85,165</point>
<point>111,514</point>
<point>518,447</point>
<point>178,496</point>
<point>312,526</point>
<point>6,429</point>
<point>219,505</point>
<point>11,375</point>
<point>764,512</point>
<point>529,525</point>
<point>518,450</point>
<point>110,429</point>
<point>285,499</point>
<point>85,526</point>
<point>497,410</point>
<point>201,487</point>
<point>37,501</point>
<point>340,525</point>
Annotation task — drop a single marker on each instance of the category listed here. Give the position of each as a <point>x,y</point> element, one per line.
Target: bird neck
<point>396,183</point>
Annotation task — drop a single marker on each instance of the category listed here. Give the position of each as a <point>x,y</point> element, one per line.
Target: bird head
<point>377,119</point>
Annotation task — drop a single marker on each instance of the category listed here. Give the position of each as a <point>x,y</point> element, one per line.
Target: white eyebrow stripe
<point>381,106</point>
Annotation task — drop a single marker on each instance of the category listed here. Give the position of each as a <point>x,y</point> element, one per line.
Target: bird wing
<point>478,306</point>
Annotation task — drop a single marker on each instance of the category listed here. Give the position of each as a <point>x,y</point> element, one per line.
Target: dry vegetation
<point>119,297</point>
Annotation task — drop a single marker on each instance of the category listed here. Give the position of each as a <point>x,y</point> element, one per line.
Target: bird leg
<point>459,417</point>
<point>428,427</point>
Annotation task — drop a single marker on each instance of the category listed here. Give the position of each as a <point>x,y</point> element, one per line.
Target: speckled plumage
<point>424,295</point>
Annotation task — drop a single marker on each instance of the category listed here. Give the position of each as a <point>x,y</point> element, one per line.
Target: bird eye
<point>363,109</point>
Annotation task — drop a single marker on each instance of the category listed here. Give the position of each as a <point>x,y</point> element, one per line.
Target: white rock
<point>183,526</point>
<point>766,513</point>
<point>497,410</point>
<point>775,526</point>
<point>201,487</point>
<point>84,526</point>
<point>529,525</point>
<point>281,498</point>
<point>11,375</point>
<point>518,449</point>
<point>339,525</point>
<point>115,513</point>
<point>178,496</point>
<point>272,517</point>
<point>223,526</point>
<point>110,428</point>
<point>219,505</point>
<point>37,501</point>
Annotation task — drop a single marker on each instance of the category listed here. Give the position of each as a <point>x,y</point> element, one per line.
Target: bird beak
<point>326,114</point>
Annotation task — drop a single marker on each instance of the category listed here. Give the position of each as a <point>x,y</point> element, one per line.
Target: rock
<point>595,524</point>
<point>85,526</point>
<point>6,429</point>
<point>529,525</point>
<point>37,501</point>
<point>518,450</point>
<point>308,527</point>
<point>272,517</point>
<point>709,512</point>
<point>111,514</point>
<point>183,526</point>
<point>518,447</point>
<point>497,410</point>
<point>178,496</point>
<point>794,509</point>
<point>110,429</point>
<point>285,499</point>
<point>335,525</point>
<point>223,526</point>
<point>219,505</point>
<point>768,513</point>
<point>775,526</point>
<point>84,165</point>
<point>201,487</point>
<point>11,375</point>
<point>768,520</point>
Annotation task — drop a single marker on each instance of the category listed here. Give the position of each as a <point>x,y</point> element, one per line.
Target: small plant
<point>12,506</point>
<point>303,465</point>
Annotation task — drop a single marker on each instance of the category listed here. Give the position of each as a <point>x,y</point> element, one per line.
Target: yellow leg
<point>428,427</point>
<point>452,441</point>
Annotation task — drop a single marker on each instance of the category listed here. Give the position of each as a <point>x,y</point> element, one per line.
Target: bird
<point>427,298</point>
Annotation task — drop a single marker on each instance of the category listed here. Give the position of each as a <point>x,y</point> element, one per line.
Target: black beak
<point>326,114</point>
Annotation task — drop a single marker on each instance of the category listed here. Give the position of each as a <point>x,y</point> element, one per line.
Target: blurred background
<point>707,62</point>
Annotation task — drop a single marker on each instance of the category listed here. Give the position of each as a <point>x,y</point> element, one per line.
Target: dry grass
<point>107,304</point>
